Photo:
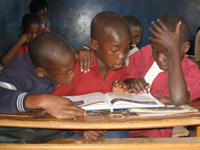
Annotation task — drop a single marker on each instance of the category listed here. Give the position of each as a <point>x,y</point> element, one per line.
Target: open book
<point>164,111</point>
<point>111,101</point>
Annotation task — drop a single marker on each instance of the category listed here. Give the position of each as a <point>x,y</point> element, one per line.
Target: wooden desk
<point>104,120</point>
<point>98,120</point>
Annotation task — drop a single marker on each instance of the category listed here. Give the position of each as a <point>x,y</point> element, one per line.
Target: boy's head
<point>40,7</point>
<point>31,25</point>
<point>135,28</point>
<point>53,58</point>
<point>171,21</point>
<point>110,38</point>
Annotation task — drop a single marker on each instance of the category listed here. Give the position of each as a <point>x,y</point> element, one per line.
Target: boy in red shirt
<point>165,68</point>
<point>31,27</point>
<point>110,43</point>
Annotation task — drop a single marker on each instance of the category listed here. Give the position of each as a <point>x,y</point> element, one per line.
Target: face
<point>33,31</point>
<point>42,13</point>
<point>160,55</point>
<point>62,70</point>
<point>136,35</point>
<point>112,50</point>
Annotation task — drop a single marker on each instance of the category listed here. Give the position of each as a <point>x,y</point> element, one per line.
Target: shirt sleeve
<point>12,98</point>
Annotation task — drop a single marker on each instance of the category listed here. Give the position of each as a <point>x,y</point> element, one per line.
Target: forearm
<point>11,53</point>
<point>176,82</point>
<point>35,101</point>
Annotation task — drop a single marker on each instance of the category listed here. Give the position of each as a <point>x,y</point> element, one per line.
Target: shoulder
<point>46,30</point>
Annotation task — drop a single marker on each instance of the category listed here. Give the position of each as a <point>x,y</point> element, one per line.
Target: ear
<point>186,47</point>
<point>94,44</point>
<point>40,72</point>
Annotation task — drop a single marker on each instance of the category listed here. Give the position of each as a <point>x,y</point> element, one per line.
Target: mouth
<point>118,66</point>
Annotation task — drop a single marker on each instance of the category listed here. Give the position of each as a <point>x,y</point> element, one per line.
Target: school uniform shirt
<point>92,81</point>
<point>139,64</point>
<point>17,81</point>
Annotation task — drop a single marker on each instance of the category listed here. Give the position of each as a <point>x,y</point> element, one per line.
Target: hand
<point>60,107</point>
<point>25,38</point>
<point>85,57</point>
<point>121,87</point>
<point>139,86</point>
<point>163,36</point>
<point>91,135</point>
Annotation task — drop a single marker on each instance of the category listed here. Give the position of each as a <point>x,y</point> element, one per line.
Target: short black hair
<point>29,19</point>
<point>105,19</point>
<point>37,5</point>
<point>46,47</point>
<point>171,20</point>
<point>132,21</point>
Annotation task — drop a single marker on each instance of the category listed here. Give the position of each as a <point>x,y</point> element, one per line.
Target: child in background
<point>31,27</point>
<point>40,7</point>
<point>136,31</point>
<point>110,43</point>
<point>165,67</point>
<point>26,84</point>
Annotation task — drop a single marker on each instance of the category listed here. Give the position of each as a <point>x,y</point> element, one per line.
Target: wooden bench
<point>111,144</point>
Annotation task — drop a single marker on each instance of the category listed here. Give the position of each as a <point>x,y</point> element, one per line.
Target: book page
<point>92,101</point>
<point>132,100</point>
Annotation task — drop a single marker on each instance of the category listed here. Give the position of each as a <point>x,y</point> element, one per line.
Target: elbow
<point>181,100</point>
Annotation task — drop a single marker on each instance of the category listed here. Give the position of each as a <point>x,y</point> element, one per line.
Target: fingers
<point>139,86</point>
<point>93,135</point>
<point>85,58</point>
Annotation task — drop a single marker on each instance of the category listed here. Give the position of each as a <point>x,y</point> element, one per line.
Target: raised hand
<point>163,36</point>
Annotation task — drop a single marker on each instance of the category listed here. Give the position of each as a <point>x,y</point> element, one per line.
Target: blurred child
<point>164,67</point>
<point>26,84</point>
<point>110,43</point>
<point>31,27</point>
<point>40,7</point>
<point>136,31</point>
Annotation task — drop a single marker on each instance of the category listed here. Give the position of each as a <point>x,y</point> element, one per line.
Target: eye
<point>114,51</point>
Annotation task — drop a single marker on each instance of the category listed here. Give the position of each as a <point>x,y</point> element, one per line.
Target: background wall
<point>71,18</point>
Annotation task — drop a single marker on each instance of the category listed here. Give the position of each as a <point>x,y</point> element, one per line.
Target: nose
<point>123,54</point>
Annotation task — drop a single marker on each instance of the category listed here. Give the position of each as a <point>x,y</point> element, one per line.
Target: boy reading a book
<point>26,84</point>
<point>110,43</point>
<point>164,67</point>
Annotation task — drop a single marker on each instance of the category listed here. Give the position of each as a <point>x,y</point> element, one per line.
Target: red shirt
<point>24,48</point>
<point>140,62</point>
<point>92,81</point>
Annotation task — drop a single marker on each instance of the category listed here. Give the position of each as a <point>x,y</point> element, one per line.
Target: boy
<point>40,7</point>
<point>26,82</point>
<point>165,67</point>
<point>136,31</point>
<point>110,43</point>
<point>31,27</point>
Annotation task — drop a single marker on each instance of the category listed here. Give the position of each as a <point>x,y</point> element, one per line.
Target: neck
<point>103,69</point>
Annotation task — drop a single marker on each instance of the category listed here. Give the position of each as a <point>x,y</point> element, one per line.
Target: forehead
<point>34,26</point>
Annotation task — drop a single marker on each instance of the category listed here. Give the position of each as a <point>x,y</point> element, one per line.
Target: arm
<point>56,106</point>
<point>11,53</point>
<point>170,43</point>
